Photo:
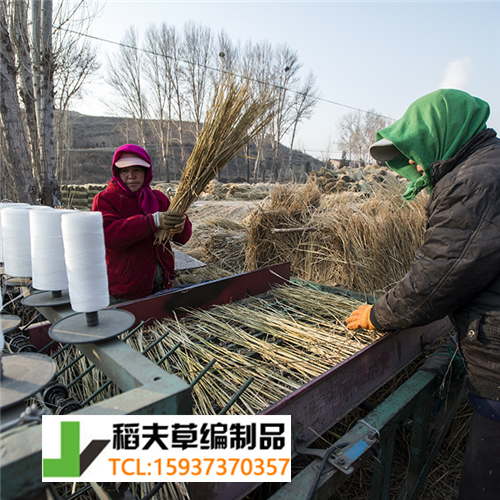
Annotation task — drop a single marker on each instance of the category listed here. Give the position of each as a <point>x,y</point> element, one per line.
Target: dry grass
<point>226,248</point>
<point>238,113</point>
<point>195,276</point>
<point>290,336</point>
<point>279,341</point>
<point>169,491</point>
<point>365,244</point>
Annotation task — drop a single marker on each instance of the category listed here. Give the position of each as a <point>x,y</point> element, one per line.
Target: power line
<point>120,44</point>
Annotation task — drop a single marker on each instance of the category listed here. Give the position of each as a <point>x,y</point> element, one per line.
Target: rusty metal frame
<point>315,407</point>
<point>321,403</point>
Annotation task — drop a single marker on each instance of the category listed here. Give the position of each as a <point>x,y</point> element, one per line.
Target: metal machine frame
<point>314,407</point>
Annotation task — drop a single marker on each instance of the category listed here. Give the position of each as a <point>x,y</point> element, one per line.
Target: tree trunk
<point>16,154</point>
<point>20,39</point>
<point>50,194</point>
<point>290,154</point>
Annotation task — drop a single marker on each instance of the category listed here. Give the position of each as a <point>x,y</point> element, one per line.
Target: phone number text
<point>201,466</point>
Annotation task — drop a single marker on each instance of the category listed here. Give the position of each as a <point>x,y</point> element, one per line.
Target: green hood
<point>434,128</point>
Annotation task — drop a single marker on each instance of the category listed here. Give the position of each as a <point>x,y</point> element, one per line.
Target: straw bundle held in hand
<point>238,113</point>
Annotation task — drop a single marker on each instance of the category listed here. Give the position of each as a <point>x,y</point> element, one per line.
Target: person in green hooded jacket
<point>443,146</point>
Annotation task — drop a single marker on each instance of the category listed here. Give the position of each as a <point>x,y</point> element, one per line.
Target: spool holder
<point>47,298</point>
<point>96,326</point>
<point>17,281</point>
<point>9,322</point>
<point>23,375</point>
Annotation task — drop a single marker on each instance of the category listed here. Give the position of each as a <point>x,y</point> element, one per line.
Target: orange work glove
<point>360,318</point>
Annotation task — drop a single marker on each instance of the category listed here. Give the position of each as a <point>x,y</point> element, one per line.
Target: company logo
<point>159,448</point>
<point>72,463</point>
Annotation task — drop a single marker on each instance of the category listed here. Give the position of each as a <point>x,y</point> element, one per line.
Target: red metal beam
<point>170,304</point>
<point>321,403</point>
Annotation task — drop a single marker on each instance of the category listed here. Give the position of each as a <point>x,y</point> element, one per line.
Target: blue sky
<point>366,55</point>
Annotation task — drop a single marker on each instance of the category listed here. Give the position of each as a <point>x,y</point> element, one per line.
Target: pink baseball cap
<point>131,160</point>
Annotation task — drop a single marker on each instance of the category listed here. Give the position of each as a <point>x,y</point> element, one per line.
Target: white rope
<point>47,250</point>
<point>6,204</point>
<point>16,242</point>
<point>85,257</point>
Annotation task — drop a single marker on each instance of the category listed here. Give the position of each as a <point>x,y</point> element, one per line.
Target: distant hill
<point>95,138</point>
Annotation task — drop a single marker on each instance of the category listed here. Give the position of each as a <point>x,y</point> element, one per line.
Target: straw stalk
<point>238,113</point>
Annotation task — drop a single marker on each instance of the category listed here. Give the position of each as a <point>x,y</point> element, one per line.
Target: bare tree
<point>27,93</point>
<point>182,70</point>
<point>228,55</point>
<point>21,41</point>
<point>372,123</point>
<point>326,154</point>
<point>16,151</point>
<point>49,191</point>
<point>125,76</point>
<point>357,132</point>
<point>257,60</point>
<point>197,51</point>
<point>76,62</point>
<point>302,108</point>
<point>170,47</point>
<point>161,89</point>
<point>349,129</point>
<point>285,77</point>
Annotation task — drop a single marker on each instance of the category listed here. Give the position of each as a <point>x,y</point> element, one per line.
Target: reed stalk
<point>238,113</point>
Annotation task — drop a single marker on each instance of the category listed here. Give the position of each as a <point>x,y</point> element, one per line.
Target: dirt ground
<point>235,210</point>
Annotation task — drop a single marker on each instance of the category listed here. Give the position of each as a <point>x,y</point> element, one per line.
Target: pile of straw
<point>367,180</point>
<point>226,248</point>
<point>235,191</point>
<point>238,113</point>
<point>169,491</point>
<point>201,274</point>
<point>223,243</point>
<point>282,341</point>
<point>365,244</point>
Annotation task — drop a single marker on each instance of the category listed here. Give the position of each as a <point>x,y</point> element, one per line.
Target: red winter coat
<point>131,256</point>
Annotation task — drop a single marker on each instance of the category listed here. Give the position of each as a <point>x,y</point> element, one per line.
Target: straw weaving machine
<point>315,407</point>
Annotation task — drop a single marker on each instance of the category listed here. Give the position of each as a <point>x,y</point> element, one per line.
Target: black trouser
<point>480,478</point>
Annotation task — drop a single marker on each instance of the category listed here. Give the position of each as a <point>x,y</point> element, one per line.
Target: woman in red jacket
<point>132,213</point>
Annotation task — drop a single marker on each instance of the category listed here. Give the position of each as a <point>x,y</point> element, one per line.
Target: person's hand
<point>360,318</point>
<point>172,222</point>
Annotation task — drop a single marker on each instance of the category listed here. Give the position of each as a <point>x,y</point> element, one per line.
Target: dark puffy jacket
<point>456,271</point>
<point>131,256</point>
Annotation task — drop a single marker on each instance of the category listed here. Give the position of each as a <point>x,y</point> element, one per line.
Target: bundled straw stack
<point>362,244</point>
<point>238,113</point>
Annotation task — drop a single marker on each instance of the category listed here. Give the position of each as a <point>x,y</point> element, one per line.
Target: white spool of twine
<point>47,250</point>
<point>3,205</point>
<point>85,256</point>
<point>16,242</point>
